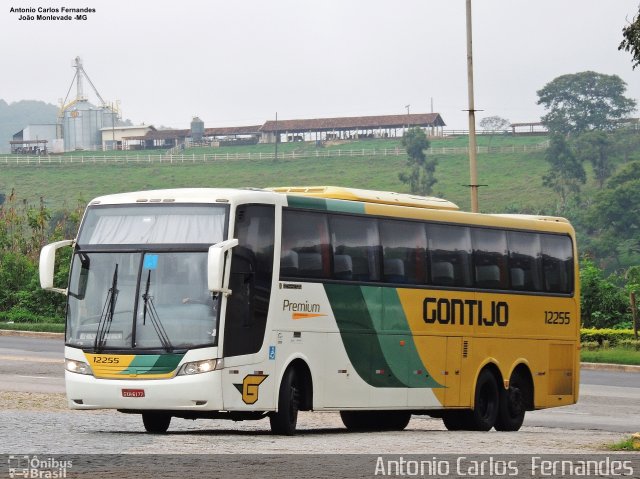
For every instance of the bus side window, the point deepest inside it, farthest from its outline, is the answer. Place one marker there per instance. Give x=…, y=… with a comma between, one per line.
x=342, y=267
x=305, y=245
x=449, y=252
x=525, y=259
x=404, y=246
x=357, y=238
x=557, y=263
x=489, y=258
x=442, y=273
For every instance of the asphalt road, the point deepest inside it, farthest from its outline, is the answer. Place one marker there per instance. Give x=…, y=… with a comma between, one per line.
x=609, y=401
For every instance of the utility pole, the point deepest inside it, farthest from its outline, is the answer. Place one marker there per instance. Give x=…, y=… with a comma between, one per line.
x=408, y=119
x=473, y=165
x=276, y=155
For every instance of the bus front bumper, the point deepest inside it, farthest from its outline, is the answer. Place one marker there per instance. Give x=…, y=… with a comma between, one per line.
x=198, y=392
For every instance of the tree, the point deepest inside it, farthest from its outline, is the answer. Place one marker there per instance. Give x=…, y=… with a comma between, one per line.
x=596, y=148
x=631, y=40
x=421, y=178
x=632, y=276
x=614, y=216
x=566, y=173
x=494, y=124
x=627, y=143
x=584, y=101
x=602, y=303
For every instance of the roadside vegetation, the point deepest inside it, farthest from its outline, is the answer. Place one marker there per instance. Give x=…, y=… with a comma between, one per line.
x=625, y=445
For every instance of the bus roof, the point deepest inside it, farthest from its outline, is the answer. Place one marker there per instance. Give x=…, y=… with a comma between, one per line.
x=368, y=196
x=187, y=195
x=380, y=202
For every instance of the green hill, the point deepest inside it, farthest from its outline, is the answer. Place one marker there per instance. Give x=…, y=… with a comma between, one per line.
x=513, y=179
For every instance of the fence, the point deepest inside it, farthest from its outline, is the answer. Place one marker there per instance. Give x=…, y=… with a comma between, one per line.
x=15, y=160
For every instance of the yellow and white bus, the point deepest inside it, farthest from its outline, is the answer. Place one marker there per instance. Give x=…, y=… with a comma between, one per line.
x=247, y=304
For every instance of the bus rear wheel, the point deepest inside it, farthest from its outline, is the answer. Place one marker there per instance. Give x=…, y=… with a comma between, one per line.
x=456, y=420
x=485, y=410
x=375, y=420
x=155, y=422
x=513, y=404
x=284, y=421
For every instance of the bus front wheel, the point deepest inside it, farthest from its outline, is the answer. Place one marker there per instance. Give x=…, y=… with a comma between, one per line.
x=285, y=420
x=156, y=423
x=375, y=420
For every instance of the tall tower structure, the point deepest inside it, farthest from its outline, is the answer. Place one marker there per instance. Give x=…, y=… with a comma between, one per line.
x=80, y=120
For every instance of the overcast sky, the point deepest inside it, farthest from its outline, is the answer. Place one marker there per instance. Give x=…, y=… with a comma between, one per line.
x=238, y=62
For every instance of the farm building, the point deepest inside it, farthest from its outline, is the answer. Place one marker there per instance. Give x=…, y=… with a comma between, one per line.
x=36, y=140
x=345, y=128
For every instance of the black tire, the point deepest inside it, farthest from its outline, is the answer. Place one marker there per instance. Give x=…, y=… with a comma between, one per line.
x=284, y=421
x=513, y=404
x=456, y=420
x=156, y=422
x=395, y=420
x=375, y=420
x=356, y=420
x=486, y=403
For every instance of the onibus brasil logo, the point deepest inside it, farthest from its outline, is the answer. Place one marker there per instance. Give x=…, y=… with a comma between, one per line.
x=34, y=466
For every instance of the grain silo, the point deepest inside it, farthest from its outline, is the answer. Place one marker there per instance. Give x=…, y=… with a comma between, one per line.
x=197, y=130
x=81, y=120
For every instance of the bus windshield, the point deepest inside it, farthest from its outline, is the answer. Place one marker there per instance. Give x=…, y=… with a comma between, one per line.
x=139, y=278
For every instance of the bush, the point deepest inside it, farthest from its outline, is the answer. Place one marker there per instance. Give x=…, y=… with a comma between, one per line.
x=612, y=337
x=590, y=345
x=603, y=303
x=19, y=315
x=24, y=229
x=630, y=344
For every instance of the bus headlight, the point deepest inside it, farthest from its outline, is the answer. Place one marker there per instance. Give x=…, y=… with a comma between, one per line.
x=198, y=367
x=79, y=367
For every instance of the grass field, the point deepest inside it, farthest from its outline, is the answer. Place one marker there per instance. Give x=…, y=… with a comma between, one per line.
x=611, y=355
x=39, y=327
x=513, y=179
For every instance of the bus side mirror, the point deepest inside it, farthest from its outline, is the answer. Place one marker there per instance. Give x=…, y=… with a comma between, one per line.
x=47, y=265
x=215, y=265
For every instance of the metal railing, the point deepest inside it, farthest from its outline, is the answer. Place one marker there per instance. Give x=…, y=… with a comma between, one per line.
x=15, y=160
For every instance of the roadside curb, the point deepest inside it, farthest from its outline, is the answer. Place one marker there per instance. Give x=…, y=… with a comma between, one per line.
x=627, y=368
x=30, y=334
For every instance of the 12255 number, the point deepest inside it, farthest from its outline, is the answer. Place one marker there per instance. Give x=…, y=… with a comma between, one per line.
x=557, y=317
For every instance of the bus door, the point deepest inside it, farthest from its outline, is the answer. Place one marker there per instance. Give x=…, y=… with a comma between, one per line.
x=444, y=363
x=246, y=373
x=453, y=368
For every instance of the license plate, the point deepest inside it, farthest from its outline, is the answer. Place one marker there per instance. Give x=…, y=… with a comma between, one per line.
x=133, y=393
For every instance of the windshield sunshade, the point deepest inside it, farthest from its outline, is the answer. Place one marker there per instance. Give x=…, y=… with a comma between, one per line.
x=153, y=224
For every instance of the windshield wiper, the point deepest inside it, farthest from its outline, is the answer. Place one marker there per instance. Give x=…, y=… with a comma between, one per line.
x=106, y=317
x=150, y=308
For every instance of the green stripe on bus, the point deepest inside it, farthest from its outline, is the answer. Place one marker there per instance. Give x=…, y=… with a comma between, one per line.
x=396, y=338
x=323, y=204
x=153, y=364
x=359, y=336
